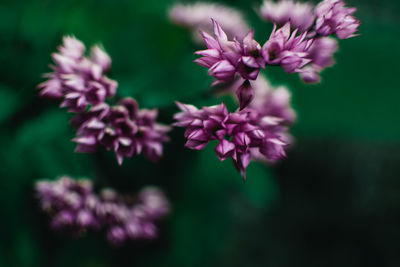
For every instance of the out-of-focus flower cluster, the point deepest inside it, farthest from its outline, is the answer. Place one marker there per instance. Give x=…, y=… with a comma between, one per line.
x=300, y=15
x=80, y=83
x=75, y=208
x=196, y=17
x=333, y=17
x=329, y=17
x=301, y=42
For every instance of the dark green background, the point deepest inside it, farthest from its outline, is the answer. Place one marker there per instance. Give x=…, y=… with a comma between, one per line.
x=334, y=202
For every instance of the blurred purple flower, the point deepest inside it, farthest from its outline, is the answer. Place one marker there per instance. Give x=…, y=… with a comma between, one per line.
x=322, y=50
x=196, y=17
x=237, y=133
x=74, y=207
x=286, y=49
x=334, y=18
x=272, y=101
x=123, y=128
x=132, y=221
x=321, y=55
x=66, y=200
x=77, y=80
x=154, y=203
x=300, y=15
x=116, y=235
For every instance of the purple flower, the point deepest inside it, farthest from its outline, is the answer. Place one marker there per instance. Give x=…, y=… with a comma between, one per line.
x=300, y=15
x=116, y=235
x=286, y=49
x=322, y=50
x=334, y=18
x=251, y=60
x=272, y=102
x=226, y=58
x=63, y=219
x=123, y=128
x=74, y=207
x=202, y=125
x=309, y=74
x=85, y=218
x=132, y=221
x=154, y=202
x=196, y=17
x=238, y=133
x=321, y=55
x=77, y=80
x=66, y=199
x=100, y=57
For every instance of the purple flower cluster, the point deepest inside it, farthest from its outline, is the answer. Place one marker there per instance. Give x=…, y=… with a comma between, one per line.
x=334, y=18
x=300, y=42
x=329, y=17
x=301, y=53
x=74, y=208
x=123, y=128
x=77, y=80
x=225, y=58
x=286, y=49
x=240, y=135
x=80, y=83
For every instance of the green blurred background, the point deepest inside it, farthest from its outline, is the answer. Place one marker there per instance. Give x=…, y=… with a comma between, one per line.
x=334, y=202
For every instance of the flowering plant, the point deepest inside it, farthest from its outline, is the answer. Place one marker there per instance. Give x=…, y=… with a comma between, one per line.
x=81, y=85
x=301, y=42
x=76, y=208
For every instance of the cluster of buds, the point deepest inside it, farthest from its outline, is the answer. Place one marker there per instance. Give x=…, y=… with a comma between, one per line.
x=75, y=208
x=301, y=42
x=81, y=84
